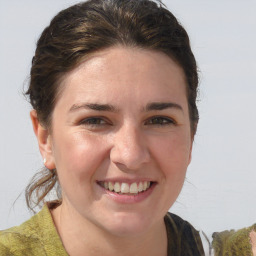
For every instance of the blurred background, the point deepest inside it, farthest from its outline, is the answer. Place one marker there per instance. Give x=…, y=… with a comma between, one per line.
x=219, y=192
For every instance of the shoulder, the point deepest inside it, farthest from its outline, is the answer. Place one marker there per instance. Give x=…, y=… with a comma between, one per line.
x=183, y=238
x=21, y=240
x=4, y=251
x=234, y=243
x=37, y=236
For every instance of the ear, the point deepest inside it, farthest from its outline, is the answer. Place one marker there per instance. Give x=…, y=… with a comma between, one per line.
x=44, y=141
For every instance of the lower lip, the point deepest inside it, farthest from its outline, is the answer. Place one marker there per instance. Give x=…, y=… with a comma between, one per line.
x=129, y=199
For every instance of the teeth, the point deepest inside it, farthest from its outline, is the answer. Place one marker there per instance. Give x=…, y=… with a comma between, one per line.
x=140, y=188
x=125, y=188
x=134, y=188
x=117, y=187
x=145, y=185
x=110, y=186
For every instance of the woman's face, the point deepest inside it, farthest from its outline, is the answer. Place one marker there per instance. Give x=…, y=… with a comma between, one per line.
x=122, y=123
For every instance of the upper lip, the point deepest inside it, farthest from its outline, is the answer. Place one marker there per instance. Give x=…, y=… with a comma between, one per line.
x=125, y=180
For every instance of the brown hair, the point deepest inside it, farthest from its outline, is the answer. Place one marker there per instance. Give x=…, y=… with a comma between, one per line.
x=90, y=26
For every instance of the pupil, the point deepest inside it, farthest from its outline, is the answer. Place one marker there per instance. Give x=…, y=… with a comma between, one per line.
x=95, y=121
x=157, y=120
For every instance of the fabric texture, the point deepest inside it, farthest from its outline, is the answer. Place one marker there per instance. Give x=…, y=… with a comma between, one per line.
x=233, y=243
x=38, y=236
x=183, y=239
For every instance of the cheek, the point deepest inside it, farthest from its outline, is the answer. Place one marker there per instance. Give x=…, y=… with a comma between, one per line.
x=172, y=158
x=173, y=155
x=78, y=156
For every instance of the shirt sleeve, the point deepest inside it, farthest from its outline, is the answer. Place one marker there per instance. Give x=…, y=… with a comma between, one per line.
x=4, y=251
x=233, y=243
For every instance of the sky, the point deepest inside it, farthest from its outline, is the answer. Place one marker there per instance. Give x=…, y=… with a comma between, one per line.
x=219, y=192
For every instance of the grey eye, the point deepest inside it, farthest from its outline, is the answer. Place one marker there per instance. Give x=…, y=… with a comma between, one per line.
x=159, y=120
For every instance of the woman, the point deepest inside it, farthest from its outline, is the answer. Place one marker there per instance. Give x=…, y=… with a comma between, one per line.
x=113, y=89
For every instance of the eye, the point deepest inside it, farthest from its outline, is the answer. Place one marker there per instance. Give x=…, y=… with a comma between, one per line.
x=94, y=121
x=160, y=120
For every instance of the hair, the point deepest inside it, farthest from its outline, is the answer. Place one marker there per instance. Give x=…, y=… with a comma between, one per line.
x=94, y=25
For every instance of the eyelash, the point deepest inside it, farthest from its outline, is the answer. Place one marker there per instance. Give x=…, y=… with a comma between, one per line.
x=160, y=121
x=94, y=121
x=156, y=120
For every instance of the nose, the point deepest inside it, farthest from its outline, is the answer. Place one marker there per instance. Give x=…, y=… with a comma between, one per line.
x=130, y=150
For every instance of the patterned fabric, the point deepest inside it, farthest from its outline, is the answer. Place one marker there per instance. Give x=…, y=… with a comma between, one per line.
x=233, y=243
x=38, y=236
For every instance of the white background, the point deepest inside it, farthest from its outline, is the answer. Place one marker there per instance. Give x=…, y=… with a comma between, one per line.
x=219, y=192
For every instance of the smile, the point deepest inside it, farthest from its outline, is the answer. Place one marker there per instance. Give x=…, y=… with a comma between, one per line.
x=126, y=188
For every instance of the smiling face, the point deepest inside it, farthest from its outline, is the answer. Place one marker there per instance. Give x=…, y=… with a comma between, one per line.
x=120, y=139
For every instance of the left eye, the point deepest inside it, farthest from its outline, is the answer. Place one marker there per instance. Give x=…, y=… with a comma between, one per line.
x=93, y=121
x=159, y=120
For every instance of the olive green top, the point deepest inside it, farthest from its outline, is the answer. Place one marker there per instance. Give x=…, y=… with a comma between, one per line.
x=38, y=236
x=233, y=243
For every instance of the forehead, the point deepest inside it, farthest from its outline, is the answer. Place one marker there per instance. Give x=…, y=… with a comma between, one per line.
x=117, y=73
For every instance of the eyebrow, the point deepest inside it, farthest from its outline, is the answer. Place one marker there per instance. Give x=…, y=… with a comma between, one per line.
x=94, y=106
x=110, y=108
x=162, y=106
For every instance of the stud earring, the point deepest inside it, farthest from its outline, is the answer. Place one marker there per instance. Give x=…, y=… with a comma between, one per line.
x=44, y=160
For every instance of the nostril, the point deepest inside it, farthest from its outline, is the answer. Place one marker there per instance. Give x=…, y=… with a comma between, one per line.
x=128, y=159
x=129, y=149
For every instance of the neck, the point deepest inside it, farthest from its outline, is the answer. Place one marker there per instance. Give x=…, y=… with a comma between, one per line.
x=81, y=237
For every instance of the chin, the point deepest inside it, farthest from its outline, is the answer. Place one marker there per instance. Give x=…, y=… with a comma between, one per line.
x=128, y=224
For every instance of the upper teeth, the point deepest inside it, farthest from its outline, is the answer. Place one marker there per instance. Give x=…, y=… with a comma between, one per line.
x=124, y=187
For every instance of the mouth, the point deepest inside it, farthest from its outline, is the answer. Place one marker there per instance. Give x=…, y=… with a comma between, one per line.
x=124, y=188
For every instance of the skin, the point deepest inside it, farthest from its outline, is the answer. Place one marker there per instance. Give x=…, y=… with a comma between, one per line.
x=126, y=142
x=253, y=242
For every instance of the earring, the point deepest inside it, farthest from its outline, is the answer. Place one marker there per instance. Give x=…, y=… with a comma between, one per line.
x=44, y=160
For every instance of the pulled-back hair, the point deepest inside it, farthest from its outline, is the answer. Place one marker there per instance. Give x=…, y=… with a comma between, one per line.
x=94, y=25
